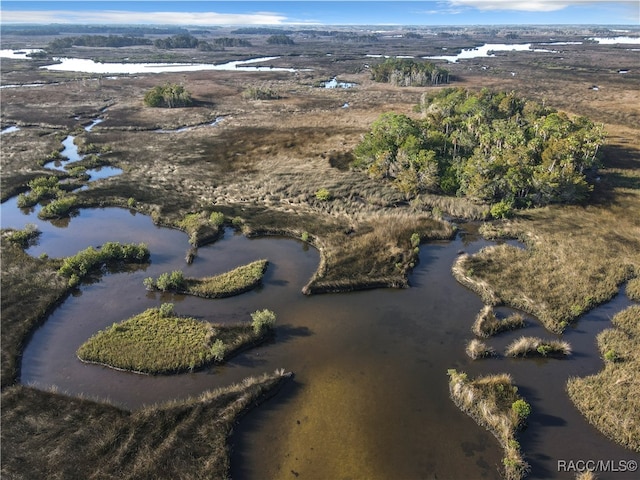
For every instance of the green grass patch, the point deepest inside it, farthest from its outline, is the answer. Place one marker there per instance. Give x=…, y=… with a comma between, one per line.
x=157, y=341
x=493, y=402
x=201, y=227
x=233, y=282
x=83, y=262
x=610, y=399
x=23, y=238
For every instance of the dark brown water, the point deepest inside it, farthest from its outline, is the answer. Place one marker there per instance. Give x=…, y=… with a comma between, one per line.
x=369, y=399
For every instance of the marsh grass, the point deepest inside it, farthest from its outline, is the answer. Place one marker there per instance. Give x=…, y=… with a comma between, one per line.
x=633, y=289
x=76, y=438
x=378, y=253
x=491, y=402
x=554, y=282
x=201, y=227
x=610, y=399
x=234, y=282
x=159, y=342
x=476, y=349
x=30, y=288
x=534, y=346
x=487, y=323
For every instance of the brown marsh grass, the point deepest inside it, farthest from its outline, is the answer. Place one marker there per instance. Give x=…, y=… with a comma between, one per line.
x=488, y=324
x=534, y=346
x=489, y=401
x=476, y=349
x=30, y=289
x=610, y=399
x=79, y=438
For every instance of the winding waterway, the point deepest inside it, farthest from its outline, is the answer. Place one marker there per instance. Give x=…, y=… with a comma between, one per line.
x=369, y=398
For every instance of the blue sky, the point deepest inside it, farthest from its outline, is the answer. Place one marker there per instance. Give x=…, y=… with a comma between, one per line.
x=443, y=12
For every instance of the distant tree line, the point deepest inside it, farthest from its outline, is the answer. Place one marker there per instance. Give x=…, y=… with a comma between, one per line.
x=486, y=146
x=408, y=73
x=189, y=41
x=279, y=39
x=169, y=95
x=113, y=41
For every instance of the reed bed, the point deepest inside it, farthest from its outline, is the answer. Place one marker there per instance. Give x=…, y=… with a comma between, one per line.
x=633, y=289
x=493, y=402
x=534, y=346
x=487, y=323
x=186, y=439
x=476, y=349
x=610, y=399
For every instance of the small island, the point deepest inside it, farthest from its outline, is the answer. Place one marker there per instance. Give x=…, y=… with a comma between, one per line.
x=233, y=282
x=157, y=341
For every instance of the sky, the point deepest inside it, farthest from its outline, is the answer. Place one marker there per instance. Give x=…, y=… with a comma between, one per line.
x=327, y=12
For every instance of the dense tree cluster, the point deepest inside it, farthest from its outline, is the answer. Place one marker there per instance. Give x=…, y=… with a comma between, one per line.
x=231, y=42
x=487, y=146
x=408, y=73
x=177, y=41
x=169, y=95
x=279, y=39
x=112, y=41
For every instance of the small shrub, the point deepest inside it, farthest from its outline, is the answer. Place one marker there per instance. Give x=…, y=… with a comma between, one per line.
x=166, y=310
x=502, y=209
x=323, y=195
x=216, y=218
x=256, y=93
x=611, y=356
x=149, y=283
x=131, y=202
x=218, y=349
x=415, y=240
x=263, y=320
x=521, y=409
x=304, y=237
x=170, y=281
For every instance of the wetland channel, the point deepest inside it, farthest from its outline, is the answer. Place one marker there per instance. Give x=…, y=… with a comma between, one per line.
x=370, y=394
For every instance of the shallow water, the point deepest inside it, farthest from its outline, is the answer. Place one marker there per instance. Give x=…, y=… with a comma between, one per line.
x=486, y=51
x=369, y=398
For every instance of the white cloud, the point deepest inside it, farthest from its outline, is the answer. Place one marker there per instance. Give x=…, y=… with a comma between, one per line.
x=163, y=18
x=522, y=5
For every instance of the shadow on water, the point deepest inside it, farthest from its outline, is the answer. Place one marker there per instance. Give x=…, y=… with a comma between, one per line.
x=369, y=398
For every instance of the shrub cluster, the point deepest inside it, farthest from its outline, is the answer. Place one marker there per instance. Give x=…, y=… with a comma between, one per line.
x=486, y=146
x=78, y=265
x=408, y=73
x=169, y=95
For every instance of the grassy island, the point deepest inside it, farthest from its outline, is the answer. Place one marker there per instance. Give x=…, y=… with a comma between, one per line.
x=488, y=324
x=233, y=282
x=534, y=346
x=610, y=399
x=157, y=341
x=493, y=402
